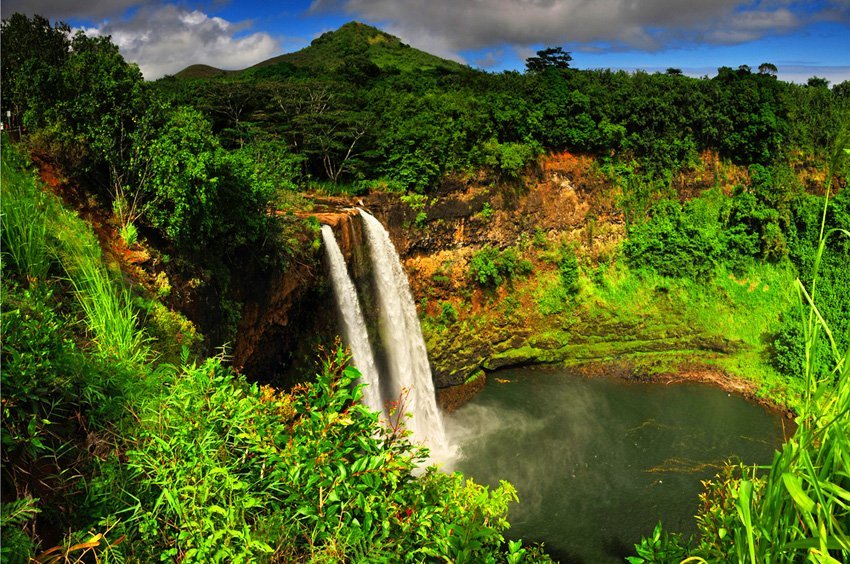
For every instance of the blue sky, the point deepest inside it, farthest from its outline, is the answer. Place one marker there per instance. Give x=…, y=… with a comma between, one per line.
x=802, y=38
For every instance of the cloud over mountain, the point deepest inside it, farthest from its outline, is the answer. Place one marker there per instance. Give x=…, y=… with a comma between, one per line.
x=165, y=39
x=446, y=26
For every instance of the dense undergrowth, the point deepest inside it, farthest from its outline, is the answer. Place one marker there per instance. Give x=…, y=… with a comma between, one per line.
x=110, y=454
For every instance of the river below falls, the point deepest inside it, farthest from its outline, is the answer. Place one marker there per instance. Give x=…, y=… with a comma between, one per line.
x=598, y=462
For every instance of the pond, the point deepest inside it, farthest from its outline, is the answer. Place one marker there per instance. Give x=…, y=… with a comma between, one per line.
x=598, y=462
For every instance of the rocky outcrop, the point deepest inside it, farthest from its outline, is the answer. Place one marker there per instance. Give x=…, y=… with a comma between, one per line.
x=290, y=313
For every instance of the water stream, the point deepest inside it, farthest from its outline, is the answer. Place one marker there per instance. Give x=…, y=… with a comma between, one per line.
x=353, y=322
x=409, y=378
x=598, y=462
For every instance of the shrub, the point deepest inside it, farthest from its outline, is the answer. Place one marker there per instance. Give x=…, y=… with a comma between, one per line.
x=489, y=267
x=448, y=314
x=672, y=245
x=310, y=476
x=483, y=269
x=129, y=234
x=568, y=270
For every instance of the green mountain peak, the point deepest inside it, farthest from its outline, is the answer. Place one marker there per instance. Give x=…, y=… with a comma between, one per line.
x=353, y=43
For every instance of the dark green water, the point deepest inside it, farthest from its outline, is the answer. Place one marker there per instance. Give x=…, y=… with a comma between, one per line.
x=598, y=462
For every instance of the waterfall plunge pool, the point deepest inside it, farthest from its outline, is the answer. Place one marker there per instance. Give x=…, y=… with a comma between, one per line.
x=598, y=462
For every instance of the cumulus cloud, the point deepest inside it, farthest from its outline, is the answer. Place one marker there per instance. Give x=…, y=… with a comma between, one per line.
x=449, y=26
x=166, y=39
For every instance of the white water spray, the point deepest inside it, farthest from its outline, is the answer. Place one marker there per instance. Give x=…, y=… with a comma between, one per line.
x=402, y=339
x=353, y=322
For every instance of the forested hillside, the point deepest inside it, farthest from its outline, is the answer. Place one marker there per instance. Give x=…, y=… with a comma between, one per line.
x=553, y=215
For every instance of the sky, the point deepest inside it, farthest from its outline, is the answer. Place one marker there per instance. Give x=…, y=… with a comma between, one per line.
x=802, y=38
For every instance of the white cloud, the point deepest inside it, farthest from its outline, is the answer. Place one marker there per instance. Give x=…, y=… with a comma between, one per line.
x=166, y=39
x=448, y=26
x=490, y=59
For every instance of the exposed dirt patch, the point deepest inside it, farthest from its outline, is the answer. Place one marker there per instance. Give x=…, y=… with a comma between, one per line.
x=687, y=372
x=135, y=262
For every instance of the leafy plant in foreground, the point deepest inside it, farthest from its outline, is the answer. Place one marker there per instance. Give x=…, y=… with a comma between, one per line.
x=310, y=475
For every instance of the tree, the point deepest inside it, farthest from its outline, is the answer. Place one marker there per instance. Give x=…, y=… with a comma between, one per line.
x=33, y=53
x=202, y=196
x=817, y=82
x=674, y=71
x=552, y=57
x=231, y=102
x=768, y=69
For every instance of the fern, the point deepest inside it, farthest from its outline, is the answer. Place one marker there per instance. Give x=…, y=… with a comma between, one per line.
x=17, y=546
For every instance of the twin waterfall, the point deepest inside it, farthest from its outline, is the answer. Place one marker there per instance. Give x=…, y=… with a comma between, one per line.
x=353, y=322
x=408, y=377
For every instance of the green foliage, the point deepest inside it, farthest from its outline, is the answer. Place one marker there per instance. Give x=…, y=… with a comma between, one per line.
x=171, y=333
x=448, y=314
x=508, y=159
x=638, y=193
x=310, y=476
x=417, y=203
x=33, y=51
x=108, y=307
x=489, y=267
x=673, y=244
x=41, y=369
x=203, y=196
x=551, y=57
x=129, y=234
x=17, y=546
x=552, y=299
x=568, y=271
x=25, y=224
x=185, y=160
x=53, y=394
x=662, y=546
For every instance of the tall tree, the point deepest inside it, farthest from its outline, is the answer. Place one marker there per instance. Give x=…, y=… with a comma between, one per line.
x=551, y=57
x=768, y=69
x=33, y=53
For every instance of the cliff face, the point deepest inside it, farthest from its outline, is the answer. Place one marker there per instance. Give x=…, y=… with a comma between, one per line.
x=471, y=329
x=288, y=315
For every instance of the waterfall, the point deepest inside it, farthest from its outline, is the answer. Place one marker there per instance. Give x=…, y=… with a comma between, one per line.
x=402, y=339
x=353, y=322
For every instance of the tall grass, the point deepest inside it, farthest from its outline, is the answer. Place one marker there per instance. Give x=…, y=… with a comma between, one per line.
x=24, y=220
x=38, y=232
x=805, y=503
x=108, y=306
